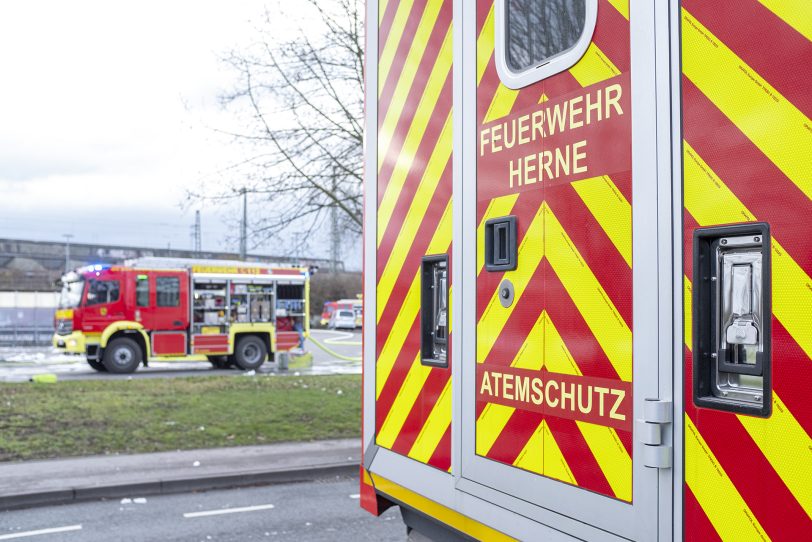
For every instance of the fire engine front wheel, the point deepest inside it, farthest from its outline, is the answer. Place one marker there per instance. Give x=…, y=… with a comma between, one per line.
x=250, y=353
x=122, y=356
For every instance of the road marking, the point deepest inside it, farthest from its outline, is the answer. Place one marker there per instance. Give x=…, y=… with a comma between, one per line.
x=39, y=532
x=228, y=511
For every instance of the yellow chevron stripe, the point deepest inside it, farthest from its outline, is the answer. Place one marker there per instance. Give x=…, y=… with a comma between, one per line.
x=710, y=201
x=542, y=455
x=407, y=76
x=611, y=456
x=593, y=67
x=494, y=417
x=487, y=426
x=612, y=211
x=435, y=427
x=495, y=316
x=781, y=439
x=500, y=206
x=688, y=300
x=768, y=119
x=795, y=13
x=439, y=243
x=397, y=259
x=555, y=464
x=433, y=170
x=397, y=335
x=602, y=441
x=531, y=458
x=716, y=494
x=464, y=524
x=409, y=391
x=392, y=41
x=589, y=297
x=792, y=297
x=787, y=447
x=382, y=9
x=420, y=121
x=501, y=104
x=484, y=46
x=503, y=98
x=622, y=6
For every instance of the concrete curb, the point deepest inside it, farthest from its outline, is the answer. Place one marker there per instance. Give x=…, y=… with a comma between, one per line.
x=177, y=485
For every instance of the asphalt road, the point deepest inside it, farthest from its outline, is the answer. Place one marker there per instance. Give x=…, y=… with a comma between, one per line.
x=325, y=510
x=23, y=363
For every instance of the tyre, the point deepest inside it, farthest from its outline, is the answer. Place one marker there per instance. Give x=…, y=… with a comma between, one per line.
x=250, y=353
x=97, y=365
x=220, y=362
x=122, y=356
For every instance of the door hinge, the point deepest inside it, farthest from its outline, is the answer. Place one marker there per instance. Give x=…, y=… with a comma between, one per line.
x=657, y=415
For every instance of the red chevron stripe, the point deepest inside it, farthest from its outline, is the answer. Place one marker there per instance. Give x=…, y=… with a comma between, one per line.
x=763, y=41
x=441, y=458
x=398, y=62
x=417, y=249
x=421, y=410
x=698, y=527
x=411, y=184
x=398, y=373
x=595, y=247
x=581, y=343
x=514, y=436
x=689, y=224
x=612, y=36
x=428, y=140
x=386, y=23
x=760, y=486
x=579, y=457
x=755, y=180
x=791, y=376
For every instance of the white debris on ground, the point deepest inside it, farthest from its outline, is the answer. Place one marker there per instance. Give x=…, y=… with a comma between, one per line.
x=196, y=464
x=249, y=373
x=137, y=500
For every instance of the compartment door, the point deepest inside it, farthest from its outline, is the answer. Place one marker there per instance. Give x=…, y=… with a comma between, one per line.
x=565, y=322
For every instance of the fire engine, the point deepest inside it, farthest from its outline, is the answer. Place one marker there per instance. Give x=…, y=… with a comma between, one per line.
x=587, y=255
x=228, y=312
x=355, y=305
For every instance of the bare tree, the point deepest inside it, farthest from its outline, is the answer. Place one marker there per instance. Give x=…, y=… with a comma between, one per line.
x=301, y=102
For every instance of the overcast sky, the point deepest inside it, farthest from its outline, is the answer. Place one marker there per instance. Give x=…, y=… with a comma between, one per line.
x=107, y=112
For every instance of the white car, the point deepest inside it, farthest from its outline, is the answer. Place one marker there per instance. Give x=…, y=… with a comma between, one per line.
x=342, y=319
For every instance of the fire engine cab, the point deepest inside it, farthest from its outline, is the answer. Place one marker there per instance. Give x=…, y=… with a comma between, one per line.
x=227, y=312
x=588, y=268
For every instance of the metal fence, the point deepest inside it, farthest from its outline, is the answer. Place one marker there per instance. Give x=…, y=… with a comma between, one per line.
x=27, y=318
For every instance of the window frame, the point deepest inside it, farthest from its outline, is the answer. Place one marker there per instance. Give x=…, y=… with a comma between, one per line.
x=555, y=64
x=89, y=290
x=158, y=292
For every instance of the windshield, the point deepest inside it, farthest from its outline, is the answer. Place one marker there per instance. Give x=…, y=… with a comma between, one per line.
x=71, y=294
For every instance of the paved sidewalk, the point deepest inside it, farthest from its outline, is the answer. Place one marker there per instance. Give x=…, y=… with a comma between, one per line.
x=36, y=483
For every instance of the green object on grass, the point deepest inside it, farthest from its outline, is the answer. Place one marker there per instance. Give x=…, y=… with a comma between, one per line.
x=44, y=379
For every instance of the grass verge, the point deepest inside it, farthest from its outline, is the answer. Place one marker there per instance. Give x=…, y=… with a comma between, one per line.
x=41, y=421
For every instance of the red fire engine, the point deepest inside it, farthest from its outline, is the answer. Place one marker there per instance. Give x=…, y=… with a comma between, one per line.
x=588, y=273
x=175, y=309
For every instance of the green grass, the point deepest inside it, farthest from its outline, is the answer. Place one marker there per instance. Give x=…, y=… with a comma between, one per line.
x=39, y=421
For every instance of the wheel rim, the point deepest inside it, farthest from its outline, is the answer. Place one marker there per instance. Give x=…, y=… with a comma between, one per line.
x=123, y=357
x=251, y=353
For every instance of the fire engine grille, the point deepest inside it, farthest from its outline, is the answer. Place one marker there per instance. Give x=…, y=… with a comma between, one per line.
x=64, y=327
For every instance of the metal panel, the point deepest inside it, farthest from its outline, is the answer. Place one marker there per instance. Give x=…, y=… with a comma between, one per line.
x=640, y=520
x=746, y=114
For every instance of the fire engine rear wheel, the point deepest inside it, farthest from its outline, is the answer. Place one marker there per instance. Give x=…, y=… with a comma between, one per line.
x=97, y=365
x=122, y=356
x=250, y=353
